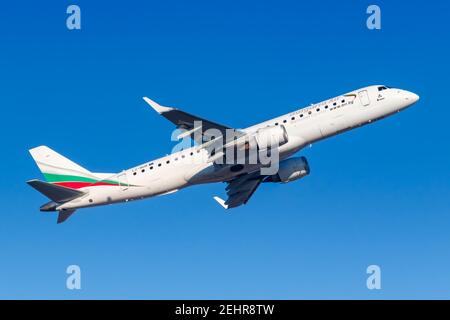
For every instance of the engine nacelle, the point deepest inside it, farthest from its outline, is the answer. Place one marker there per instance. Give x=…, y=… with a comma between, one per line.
x=249, y=146
x=270, y=137
x=290, y=170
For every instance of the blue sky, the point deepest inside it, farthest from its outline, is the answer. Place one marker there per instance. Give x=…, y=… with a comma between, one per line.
x=376, y=195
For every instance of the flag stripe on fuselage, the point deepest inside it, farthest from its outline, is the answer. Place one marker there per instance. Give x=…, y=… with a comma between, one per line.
x=77, y=182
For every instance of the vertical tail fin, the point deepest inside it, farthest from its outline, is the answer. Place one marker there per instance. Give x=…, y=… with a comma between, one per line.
x=59, y=170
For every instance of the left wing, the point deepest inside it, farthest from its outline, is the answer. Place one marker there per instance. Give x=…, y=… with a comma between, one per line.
x=187, y=121
x=240, y=189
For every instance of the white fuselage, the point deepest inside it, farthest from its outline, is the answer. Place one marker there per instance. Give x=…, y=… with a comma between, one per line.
x=304, y=126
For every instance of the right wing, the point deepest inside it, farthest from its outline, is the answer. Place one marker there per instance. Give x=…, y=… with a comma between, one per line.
x=189, y=122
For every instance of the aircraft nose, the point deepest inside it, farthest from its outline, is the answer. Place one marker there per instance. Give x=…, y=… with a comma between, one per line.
x=412, y=97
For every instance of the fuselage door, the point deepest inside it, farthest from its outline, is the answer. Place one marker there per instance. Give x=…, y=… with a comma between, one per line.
x=123, y=181
x=364, y=97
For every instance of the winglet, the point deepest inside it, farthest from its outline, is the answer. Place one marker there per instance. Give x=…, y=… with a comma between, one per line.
x=221, y=202
x=158, y=108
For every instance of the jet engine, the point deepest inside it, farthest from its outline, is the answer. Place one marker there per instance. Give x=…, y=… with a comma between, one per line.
x=290, y=170
x=274, y=136
x=250, y=145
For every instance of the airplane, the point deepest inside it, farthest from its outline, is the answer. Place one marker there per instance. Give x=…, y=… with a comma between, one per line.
x=70, y=186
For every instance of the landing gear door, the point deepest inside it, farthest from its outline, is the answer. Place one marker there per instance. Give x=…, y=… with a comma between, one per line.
x=123, y=181
x=364, y=97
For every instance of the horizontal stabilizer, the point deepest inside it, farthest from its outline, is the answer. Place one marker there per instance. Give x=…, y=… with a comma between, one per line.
x=55, y=192
x=63, y=215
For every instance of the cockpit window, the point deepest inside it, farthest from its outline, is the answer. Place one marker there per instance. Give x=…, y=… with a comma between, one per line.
x=382, y=88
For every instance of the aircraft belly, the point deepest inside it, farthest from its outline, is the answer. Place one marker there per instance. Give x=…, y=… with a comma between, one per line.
x=309, y=133
x=338, y=123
